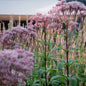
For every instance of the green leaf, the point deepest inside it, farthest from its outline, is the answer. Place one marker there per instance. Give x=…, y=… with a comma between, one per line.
x=63, y=35
x=72, y=61
x=55, y=48
x=77, y=78
x=71, y=51
x=40, y=72
x=40, y=28
x=54, y=59
x=72, y=81
x=52, y=55
x=38, y=54
x=48, y=69
x=60, y=67
x=42, y=80
x=57, y=77
x=40, y=41
x=62, y=60
x=64, y=26
x=75, y=48
x=36, y=83
x=55, y=83
x=58, y=80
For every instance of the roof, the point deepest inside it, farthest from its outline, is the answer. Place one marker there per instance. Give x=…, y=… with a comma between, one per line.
x=15, y=17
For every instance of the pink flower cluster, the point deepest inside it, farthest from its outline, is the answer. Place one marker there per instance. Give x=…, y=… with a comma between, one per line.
x=52, y=21
x=47, y=21
x=63, y=12
x=15, y=66
x=15, y=36
x=64, y=8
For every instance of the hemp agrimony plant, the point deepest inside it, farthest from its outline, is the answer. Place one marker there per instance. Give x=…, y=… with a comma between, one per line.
x=68, y=14
x=57, y=34
x=58, y=43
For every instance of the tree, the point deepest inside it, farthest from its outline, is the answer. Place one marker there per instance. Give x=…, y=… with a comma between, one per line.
x=83, y=1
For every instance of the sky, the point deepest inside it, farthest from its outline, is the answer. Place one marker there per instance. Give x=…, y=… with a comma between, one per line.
x=26, y=7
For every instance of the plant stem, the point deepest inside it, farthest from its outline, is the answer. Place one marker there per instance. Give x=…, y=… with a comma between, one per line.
x=67, y=66
x=45, y=56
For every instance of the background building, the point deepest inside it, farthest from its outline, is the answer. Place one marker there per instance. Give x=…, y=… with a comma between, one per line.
x=16, y=12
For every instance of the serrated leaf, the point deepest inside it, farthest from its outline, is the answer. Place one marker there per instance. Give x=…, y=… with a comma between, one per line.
x=56, y=77
x=62, y=60
x=48, y=69
x=77, y=78
x=60, y=66
x=38, y=54
x=72, y=61
x=52, y=55
x=36, y=83
x=72, y=81
x=54, y=83
x=40, y=72
x=54, y=59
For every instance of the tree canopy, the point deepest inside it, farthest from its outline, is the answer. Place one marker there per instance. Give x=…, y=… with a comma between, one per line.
x=83, y=1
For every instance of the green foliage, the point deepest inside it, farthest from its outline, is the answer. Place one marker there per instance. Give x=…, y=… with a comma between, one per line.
x=72, y=81
x=58, y=80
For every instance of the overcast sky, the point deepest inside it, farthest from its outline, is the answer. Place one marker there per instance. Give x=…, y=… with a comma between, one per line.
x=23, y=7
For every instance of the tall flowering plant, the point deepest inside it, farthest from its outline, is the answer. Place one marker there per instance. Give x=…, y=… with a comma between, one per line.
x=15, y=66
x=16, y=63
x=61, y=20
x=69, y=14
x=43, y=21
x=17, y=37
